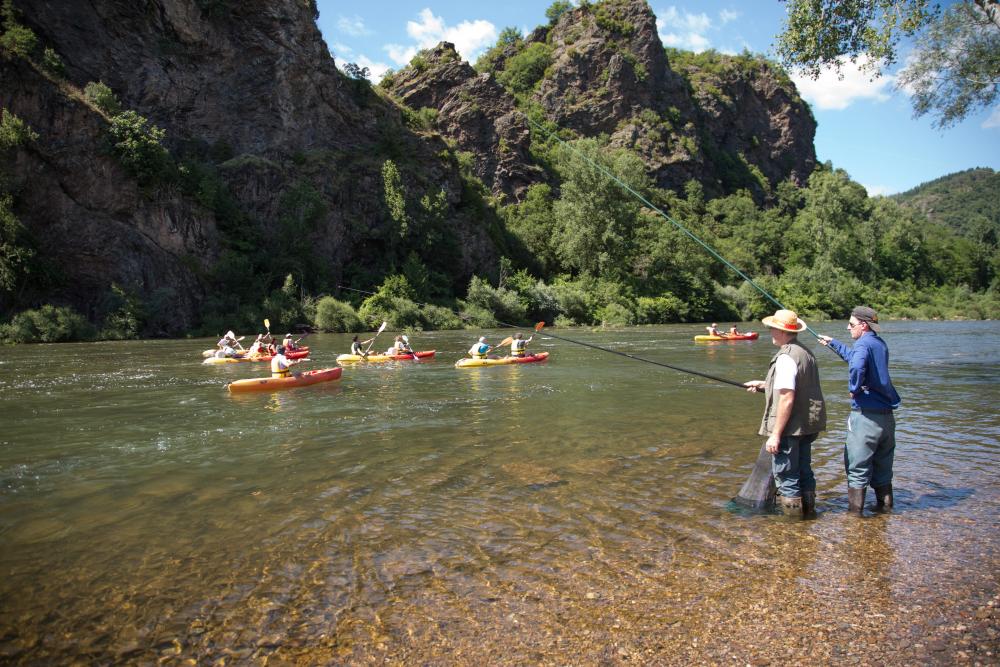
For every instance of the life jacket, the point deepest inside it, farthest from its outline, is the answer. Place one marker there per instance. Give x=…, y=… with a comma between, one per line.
x=279, y=366
x=517, y=347
x=478, y=351
x=356, y=349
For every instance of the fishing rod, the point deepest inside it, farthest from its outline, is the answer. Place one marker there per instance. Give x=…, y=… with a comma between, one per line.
x=540, y=325
x=666, y=217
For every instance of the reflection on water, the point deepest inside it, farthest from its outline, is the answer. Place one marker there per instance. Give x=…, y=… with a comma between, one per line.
x=416, y=512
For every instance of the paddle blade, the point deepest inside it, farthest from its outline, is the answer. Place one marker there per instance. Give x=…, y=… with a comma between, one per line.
x=506, y=341
x=758, y=491
x=267, y=325
x=539, y=326
x=382, y=328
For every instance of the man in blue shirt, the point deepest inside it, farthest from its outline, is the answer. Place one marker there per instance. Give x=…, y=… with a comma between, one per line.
x=871, y=427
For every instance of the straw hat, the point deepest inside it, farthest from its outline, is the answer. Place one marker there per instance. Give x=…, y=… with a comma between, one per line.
x=786, y=320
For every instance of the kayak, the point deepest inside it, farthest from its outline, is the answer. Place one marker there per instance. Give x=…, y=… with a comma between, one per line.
x=305, y=349
x=502, y=361
x=352, y=358
x=295, y=380
x=752, y=335
x=297, y=354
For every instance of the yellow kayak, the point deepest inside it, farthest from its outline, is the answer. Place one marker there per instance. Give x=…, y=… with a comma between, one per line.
x=354, y=358
x=502, y=361
x=752, y=335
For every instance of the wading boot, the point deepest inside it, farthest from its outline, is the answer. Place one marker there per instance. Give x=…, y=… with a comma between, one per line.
x=808, y=503
x=856, y=500
x=883, y=497
x=790, y=505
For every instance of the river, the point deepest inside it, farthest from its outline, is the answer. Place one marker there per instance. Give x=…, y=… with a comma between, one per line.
x=571, y=511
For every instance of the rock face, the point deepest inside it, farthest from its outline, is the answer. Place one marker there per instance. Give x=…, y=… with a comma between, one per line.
x=251, y=83
x=739, y=125
x=477, y=113
x=251, y=88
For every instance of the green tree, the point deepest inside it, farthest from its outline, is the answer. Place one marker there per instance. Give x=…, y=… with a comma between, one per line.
x=954, y=70
x=557, y=9
x=526, y=69
x=595, y=217
x=16, y=39
x=395, y=196
x=101, y=95
x=14, y=251
x=14, y=132
x=955, y=67
x=138, y=145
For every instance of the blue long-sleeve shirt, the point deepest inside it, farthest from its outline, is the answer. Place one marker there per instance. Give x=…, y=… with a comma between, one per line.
x=868, y=373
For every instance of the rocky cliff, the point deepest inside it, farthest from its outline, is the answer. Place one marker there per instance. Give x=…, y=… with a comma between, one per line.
x=273, y=148
x=727, y=122
x=250, y=90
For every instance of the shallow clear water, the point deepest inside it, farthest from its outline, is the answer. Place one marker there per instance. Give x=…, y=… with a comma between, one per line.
x=417, y=511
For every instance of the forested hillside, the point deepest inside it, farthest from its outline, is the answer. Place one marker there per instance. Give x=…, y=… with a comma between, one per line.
x=967, y=202
x=198, y=195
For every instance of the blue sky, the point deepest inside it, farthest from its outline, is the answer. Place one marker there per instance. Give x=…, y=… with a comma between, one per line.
x=865, y=127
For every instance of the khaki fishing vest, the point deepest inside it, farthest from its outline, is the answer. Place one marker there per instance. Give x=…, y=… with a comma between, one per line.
x=808, y=410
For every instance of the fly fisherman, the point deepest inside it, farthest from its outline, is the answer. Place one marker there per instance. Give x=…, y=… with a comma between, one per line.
x=794, y=412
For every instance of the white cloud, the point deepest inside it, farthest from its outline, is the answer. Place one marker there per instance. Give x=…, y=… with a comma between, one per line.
x=469, y=37
x=353, y=25
x=993, y=120
x=833, y=91
x=341, y=51
x=376, y=69
x=672, y=18
x=688, y=41
x=878, y=190
x=683, y=30
x=727, y=15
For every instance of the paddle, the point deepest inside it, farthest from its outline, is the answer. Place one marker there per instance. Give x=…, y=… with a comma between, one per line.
x=369, y=349
x=540, y=325
x=506, y=341
x=412, y=351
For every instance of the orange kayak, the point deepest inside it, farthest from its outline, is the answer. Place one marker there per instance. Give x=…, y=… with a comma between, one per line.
x=295, y=380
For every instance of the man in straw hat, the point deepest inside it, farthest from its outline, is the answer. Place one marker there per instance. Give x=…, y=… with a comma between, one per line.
x=794, y=412
x=871, y=427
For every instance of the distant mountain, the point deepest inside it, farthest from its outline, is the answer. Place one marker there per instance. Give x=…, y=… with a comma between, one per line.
x=966, y=202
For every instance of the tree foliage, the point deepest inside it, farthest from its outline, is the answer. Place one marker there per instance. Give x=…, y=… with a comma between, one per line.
x=953, y=71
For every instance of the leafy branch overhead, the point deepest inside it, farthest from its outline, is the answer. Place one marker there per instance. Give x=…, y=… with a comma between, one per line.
x=952, y=71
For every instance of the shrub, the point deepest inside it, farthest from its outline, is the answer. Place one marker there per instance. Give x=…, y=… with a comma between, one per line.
x=557, y=9
x=616, y=315
x=503, y=303
x=101, y=96
x=48, y=324
x=334, y=315
x=659, y=309
x=137, y=144
x=527, y=68
x=14, y=131
x=17, y=39
x=124, y=315
x=52, y=62
x=438, y=317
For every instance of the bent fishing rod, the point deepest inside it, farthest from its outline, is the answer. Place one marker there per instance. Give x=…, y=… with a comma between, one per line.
x=540, y=325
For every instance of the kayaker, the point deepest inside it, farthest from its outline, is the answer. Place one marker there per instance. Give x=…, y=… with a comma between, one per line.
x=398, y=347
x=229, y=340
x=257, y=346
x=871, y=426
x=280, y=364
x=713, y=330
x=794, y=412
x=733, y=331
x=358, y=347
x=518, y=345
x=289, y=344
x=480, y=349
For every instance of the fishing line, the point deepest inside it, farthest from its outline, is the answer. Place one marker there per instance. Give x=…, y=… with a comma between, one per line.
x=666, y=217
